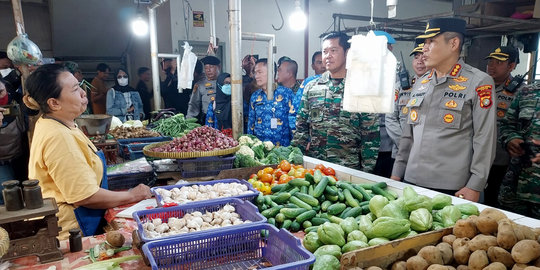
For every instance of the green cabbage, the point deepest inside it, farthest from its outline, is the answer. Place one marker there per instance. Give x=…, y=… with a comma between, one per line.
x=449, y=215
x=376, y=205
x=421, y=220
x=440, y=201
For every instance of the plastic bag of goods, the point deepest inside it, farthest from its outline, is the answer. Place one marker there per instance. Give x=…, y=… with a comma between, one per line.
x=22, y=50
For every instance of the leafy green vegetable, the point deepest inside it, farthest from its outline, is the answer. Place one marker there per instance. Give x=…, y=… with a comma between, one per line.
x=449, y=215
x=376, y=205
x=440, y=201
x=468, y=209
x=296, y=156
x=271, y=158
x=258, y=149
x=421, y=220
x=281, y=152
x=242, y=160
x=111, y=264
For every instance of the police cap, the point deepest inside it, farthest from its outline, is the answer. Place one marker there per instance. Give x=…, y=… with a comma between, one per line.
x=504, y=53
x=437, y=26
x=211, y=60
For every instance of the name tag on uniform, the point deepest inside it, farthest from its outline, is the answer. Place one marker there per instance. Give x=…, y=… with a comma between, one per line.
x=273, y=123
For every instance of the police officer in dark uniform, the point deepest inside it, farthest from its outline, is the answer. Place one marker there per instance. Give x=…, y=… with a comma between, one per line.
x=204, y=91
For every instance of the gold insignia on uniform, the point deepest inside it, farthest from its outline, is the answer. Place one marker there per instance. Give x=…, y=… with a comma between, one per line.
x=427, y=26
x=503, y=105
x=279, y=98
x=485, y=102
x=461, y=79
x=207, y=84
x=500, y=113
x=279, y=122
x=414, y=115
x=430, y=74
x=484, y=93
x=457, y=87
x=405, y=110
x=210, y=92
x=413, y=81
x=451, y=104
x=413, y=101
x=210, y=120
x=259, y=121
x=455, y=70
x=498, y=50
x=448, y=118
x=212, y=98
x=259, y=98
x=424, y=81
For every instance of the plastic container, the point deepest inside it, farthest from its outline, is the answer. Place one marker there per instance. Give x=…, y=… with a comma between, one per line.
x=231, y=248
x=132, y=148
x=246, y=210
x=127, y=181
x=205, y=166
x=245, y=197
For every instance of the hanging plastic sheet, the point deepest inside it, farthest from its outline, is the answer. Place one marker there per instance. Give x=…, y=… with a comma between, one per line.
x=371, y=75
x=189, y=60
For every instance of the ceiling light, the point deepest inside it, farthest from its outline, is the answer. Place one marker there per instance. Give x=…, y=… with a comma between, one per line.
x=139, y=26
x=298, y=19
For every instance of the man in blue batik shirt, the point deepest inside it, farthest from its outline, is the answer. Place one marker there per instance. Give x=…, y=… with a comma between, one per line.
x=269, y=119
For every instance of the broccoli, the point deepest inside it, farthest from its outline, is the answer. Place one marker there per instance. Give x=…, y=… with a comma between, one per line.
x=245, y=161
x=245, y=150
x=268, y=146
x=281, y=153
x=272, y=158
x=258, y=148
x=296, y=156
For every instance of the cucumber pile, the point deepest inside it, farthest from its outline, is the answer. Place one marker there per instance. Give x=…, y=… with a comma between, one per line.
x=305, y=203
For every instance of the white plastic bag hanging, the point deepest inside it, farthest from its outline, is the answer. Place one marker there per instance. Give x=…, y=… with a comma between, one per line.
x=371, y=74
x=189, y=60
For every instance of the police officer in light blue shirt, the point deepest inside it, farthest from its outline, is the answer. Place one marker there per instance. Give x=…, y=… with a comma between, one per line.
x=269, y=119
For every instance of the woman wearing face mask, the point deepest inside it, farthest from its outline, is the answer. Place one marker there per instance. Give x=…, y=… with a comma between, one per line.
x=123, y=101
x=219, y=112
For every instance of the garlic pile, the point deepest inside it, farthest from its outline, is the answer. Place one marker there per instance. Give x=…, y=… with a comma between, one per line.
x=192, y=222
x=201, y=192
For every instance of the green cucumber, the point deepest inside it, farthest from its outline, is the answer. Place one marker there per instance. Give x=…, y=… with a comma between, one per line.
x=335, y=219
x=306, y=224
x=306, y=216
x=303, y=189
x=280, y=218
x=311, y=229
x=318, y=221
x=331, y=180
x=336, y=209
x=331, y=190
x=365, y=194
x=310, y=190
x=341, y=196
x=345, y=212
x=299, y=182
x=325, y=204
x=317, y=176
x=354, y=212
x=294, y=190
x=300, y=203
x=349, y=198
x=272, y=212
x=377, y=190
x=354, y=192
x=295, y=226
x=286, y=224
x=272, y=221
x=318, y=190
x=267, y=200
x=278, y=188
x=333, y=198
x=292, y=212
x=290, y=205
x=312, y=201
x=309, y=178
x=260, y=199
x=281, y=197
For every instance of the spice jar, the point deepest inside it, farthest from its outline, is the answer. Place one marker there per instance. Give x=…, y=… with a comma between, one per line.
x=12, y=195
x=32, y=194
x=75, y=240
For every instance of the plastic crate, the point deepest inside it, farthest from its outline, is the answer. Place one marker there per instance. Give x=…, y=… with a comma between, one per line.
x=231, y=248
x=245, y=197
x=205, y=166
x=245, y=209
x=132, y=148
x=127, y=181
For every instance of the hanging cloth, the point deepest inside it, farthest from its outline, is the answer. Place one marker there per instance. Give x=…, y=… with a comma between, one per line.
x=189, y=60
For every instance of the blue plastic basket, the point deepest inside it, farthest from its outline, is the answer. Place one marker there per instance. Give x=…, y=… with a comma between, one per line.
x=132, y=148
x=245, y=209
x=231, y=248
x=205, y=166
x=245, y=197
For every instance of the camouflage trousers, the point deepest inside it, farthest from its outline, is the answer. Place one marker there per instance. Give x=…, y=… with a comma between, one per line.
x=518, y=189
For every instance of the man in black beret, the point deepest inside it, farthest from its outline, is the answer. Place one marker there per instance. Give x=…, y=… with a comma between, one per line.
x=449, y=144
x=204, y=91
x=501, y=62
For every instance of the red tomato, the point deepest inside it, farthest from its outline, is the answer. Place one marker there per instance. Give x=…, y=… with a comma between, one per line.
x=283, y=179
x=253, y=176
x=310, y=171
x=268, y=170
x=300, y=173
x=266, y=178
x=260, y=173
x=329, y=171
x=319, y=167
x=285, y=165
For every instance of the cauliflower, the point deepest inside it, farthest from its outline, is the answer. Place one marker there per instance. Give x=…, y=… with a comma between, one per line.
x=245, y=140
x=257, y=143
x=245, y=150
x=268, y=145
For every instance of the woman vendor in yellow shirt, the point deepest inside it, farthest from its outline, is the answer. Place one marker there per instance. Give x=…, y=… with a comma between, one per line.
x=62, y=158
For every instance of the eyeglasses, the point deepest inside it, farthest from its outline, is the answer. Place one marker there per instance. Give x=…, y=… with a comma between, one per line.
x=122, y=76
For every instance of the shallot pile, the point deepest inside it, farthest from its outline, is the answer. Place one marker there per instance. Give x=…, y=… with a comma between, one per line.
x=199, y=139
x=193, y=222
x=201, y=192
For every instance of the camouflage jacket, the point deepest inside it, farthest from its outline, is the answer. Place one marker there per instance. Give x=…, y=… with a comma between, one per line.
x=522, y=121
x=335, y=135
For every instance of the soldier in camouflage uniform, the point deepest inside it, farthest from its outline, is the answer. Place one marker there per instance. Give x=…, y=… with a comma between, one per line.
x=520, y=188
x=323, y=129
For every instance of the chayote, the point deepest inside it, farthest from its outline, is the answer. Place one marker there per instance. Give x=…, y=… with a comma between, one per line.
x=333, y=250
x=326, y=262
x=421, y=220
x=311, y=241
x=348, y=225
x=388, y=227
x=353, y=245
x=356, y=235
x=331, y=234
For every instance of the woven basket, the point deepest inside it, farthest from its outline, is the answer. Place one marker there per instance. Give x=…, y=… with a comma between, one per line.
x=184, y=155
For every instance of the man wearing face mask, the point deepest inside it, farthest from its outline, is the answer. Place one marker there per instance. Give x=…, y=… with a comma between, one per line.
x=204, y=91
x=218, y=114
x=9, y=74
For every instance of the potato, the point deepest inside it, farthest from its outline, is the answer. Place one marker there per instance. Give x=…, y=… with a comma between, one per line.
x=451, y=267
x=115, y=239
x=449, y=239
x=519, y=266
x=459, y=242
x=499, y=254
x=506, y=237
x=536, y=232
x=482, y=242
x=462, y=267
x=473, y=218
x=493, y=213
x=465, y=228
x=537, y=262
x=374, y=268
x=461, y=250
x=437, y=267
x=523, y=232
x=417, y=263
x=446, y=252
x=495, y=266
x=431, y=254
x=478, y=260
x=532, y=268
x=399, y=265
x=486, y=225
x=525, y=251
